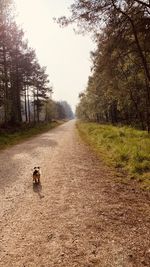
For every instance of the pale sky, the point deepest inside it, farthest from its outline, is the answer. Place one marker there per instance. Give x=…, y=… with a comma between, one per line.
x=65, y=54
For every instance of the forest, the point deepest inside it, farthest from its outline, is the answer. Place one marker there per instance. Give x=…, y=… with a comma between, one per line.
x=118, y=89
x=25, y=88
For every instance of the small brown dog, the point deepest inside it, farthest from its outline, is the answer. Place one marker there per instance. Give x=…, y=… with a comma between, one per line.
x=36, y=175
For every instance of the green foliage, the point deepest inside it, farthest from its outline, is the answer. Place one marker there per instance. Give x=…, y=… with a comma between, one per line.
x=122, y=147
x=118, y=89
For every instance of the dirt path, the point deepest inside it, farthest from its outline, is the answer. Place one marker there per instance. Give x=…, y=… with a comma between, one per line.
x=78, y=217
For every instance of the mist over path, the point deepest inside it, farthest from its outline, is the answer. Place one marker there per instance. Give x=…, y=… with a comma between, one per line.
x=78, y=216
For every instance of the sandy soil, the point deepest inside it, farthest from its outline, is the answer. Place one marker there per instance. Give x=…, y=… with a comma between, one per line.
x=79, y=216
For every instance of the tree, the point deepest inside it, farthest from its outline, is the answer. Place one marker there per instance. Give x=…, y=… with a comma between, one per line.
x=63, y=110
x=22, y=79
x=119, y=89
x=25, y=90
x=67, y=109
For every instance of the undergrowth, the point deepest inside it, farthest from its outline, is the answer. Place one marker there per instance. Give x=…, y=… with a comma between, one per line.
x=125, y=148
x=13, y=135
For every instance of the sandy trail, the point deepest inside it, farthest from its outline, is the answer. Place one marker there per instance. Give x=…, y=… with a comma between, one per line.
x=78, y=216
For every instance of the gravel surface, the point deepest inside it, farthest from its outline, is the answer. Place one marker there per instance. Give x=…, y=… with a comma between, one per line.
x=78, y=216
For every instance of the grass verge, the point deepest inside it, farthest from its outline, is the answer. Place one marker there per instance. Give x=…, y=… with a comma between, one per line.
x=13, y=136
x=124, y=148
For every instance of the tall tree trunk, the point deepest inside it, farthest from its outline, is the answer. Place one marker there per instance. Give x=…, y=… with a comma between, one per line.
x=6, y=109
x=38, y=112
x=26, y=115
x=29, y=113
x=34, y=106
x=139, y=114
x=18, y=100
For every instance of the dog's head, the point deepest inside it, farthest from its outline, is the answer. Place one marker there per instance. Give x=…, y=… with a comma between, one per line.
x=36, y=170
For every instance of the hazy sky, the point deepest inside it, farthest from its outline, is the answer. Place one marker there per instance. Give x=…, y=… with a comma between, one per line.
x=66, y=54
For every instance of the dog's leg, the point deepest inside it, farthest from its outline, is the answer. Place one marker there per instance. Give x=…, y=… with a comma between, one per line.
x=34, y=179
x=38, y=179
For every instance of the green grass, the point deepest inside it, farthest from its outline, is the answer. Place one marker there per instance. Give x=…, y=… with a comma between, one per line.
x=13, y=136
x=124, y=148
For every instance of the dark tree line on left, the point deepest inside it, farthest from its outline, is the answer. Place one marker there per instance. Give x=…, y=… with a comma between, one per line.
x=24, y=84
x=25, y=91
x=22, y=79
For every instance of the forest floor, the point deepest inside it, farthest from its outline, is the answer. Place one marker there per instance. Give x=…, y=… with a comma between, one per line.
x=81, y=214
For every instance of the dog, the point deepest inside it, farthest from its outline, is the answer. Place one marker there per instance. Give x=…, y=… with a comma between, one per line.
x=36, y=175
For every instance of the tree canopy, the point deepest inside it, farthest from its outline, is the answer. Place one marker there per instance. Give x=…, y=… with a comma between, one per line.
x=118, y=89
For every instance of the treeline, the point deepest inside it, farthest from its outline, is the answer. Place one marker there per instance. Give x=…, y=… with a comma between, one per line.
x=59, y=110
x=118, y=90
x=25, y=91
x=63, y=110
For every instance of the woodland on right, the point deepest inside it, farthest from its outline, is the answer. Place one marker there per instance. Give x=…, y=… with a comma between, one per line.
x=118, y=90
